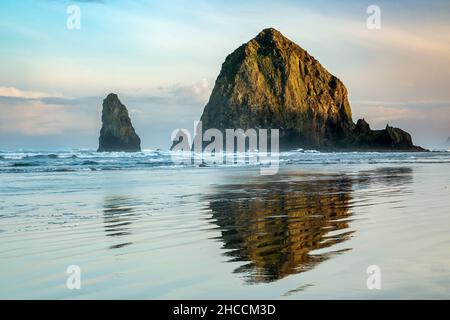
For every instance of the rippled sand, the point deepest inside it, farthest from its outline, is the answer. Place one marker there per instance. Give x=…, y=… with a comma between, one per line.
x=309, y=232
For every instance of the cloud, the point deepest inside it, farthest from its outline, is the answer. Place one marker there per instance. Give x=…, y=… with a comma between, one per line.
x=37, y=118
x=40, y=113
x=384, y=114
x=381, y=112
x=155, y=112
x=198, y=92
x=419, y=103
x=12, y=92
x=432, y=40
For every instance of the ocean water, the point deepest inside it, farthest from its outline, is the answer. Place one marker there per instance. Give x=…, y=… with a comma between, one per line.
x=140, y=226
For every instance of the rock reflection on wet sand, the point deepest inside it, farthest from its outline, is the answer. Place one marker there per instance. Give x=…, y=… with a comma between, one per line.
x=118, y=215
x=276, y=226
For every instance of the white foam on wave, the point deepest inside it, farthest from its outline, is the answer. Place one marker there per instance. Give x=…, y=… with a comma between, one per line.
x=81, y=159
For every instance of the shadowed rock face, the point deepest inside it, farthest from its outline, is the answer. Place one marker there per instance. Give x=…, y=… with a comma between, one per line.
x=117, y=133
x=272, y=83
x=389, y=138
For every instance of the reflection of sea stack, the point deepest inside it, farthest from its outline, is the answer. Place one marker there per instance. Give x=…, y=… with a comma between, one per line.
x=270, y=82
x=275, y=231
x=276, y=227
x=117, y=133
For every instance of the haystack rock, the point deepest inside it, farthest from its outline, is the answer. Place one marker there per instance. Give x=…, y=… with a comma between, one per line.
x=117, y=133
x=272, y=83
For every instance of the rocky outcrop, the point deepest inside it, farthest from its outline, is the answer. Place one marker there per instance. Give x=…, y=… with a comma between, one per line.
x=388, y=139
x=272, y=83
x=117, y=132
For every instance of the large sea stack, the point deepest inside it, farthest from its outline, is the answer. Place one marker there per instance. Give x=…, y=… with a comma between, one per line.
x=272, y=83
x=117, y=133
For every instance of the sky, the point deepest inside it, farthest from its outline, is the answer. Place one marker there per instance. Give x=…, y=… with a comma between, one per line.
x=162, y=58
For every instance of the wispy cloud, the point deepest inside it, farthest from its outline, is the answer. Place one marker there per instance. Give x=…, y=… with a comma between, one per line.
x=151, y=54
x=199, y=91
x=381, y=115
x=37, y=118
x=154, y=115
x=40, y=113
x=427, y=40
x=12, y=92
x=424, y=103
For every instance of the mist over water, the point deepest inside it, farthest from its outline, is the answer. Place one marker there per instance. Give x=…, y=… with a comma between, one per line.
x=140, y=227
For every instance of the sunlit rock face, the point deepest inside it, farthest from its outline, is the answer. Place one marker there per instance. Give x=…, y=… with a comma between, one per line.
x=272, y=83
x=117, y=132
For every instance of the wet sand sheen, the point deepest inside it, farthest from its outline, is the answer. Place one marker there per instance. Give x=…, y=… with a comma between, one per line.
x=215, y=233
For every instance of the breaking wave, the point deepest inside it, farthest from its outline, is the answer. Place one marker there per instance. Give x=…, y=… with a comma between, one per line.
x=89, y=160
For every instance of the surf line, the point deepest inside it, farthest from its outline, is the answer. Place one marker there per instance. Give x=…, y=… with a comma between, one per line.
x=249, y=146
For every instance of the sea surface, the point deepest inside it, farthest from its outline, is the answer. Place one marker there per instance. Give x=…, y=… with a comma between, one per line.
x=139, y=226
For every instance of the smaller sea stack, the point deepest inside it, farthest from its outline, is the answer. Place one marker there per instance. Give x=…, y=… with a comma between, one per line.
x=117, y=133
